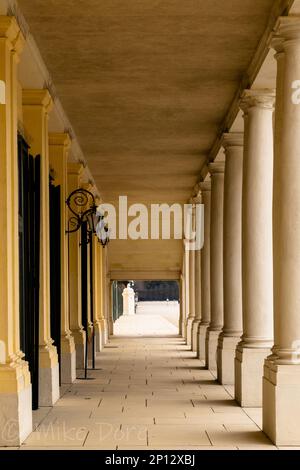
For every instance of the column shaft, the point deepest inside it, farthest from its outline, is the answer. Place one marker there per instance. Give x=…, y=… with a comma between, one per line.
x=191, y=294
x=232, y=247
x=97, y=294
x=257, y=264
x=191, y=273
x=216, y=263
x=186, y=287
x=197, y=317
x=182, y=309
x=281, y=383
x=100, y=299
x=205, y=271
x=104, y=294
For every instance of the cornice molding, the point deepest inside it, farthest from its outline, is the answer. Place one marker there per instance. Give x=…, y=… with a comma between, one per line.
x=10, y=30
x=60, y=139
x=37, y=98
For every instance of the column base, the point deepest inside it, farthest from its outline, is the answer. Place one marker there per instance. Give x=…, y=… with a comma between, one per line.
x=48, y=375
x=91, y=342
x=98, y=336
x=195, y=333
x=225, y=358
x=79, y=338
x=249, y=363
x=110, y=328
x=202, y=341
x=183, y=329
x=68, y=359
x=15, y=404
x=281, y=404
x=104, y=326
x=189, y=326
x=212, y=337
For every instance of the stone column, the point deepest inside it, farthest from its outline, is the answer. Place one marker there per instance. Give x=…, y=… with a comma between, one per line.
x=109, y=307
x=36, y=107
x=97, y=294
x=205, y=271
x=15, y=385
x=257, y=264
x=104, y=294
x=186, y=287
x=191, y=293
x=216, y=263
x=232, y=248
x=281, y=383
x=182, y=309
x=74, y=179
x=59, y=145
x=90, y=323
x=197, y=318
x=191, y=283
x=100, y=295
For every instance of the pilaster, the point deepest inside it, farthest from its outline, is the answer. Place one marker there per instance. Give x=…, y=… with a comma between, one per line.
x=15, y=385
x=36, y=107
x=74, y=173
x=59, y=145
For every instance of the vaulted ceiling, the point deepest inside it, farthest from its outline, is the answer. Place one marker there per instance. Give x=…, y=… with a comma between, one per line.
x=146, y=85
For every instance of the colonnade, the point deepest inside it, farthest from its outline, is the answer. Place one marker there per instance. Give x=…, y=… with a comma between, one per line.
x=26, y=112
x=240, y=295
x=249, y=330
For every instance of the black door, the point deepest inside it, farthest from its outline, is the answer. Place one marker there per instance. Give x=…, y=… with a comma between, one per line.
x=55, y=264
x=29, y=246
x=84, y=275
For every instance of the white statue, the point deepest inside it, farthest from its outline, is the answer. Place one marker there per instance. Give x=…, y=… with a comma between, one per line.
x=128, y=300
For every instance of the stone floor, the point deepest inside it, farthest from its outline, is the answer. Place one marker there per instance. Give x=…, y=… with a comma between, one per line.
x=149, y=393
x=145, y=325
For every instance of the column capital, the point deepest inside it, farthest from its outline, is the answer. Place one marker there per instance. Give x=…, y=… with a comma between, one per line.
x=35, y=97
x=60, y=139
x=262, y=98
x=205, y=186
x=216, y=167
x=233, y=139
x=196, y=199
x=75, y=168
x=197, y=188
x=288, y=28
x=10, y=30
x=276, y=43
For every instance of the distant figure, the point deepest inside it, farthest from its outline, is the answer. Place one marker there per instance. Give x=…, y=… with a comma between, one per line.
x=128, y=300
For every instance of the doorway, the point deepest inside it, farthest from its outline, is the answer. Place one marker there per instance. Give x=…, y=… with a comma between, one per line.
x=29, y=259
x=55, y=268
x=149, y=308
